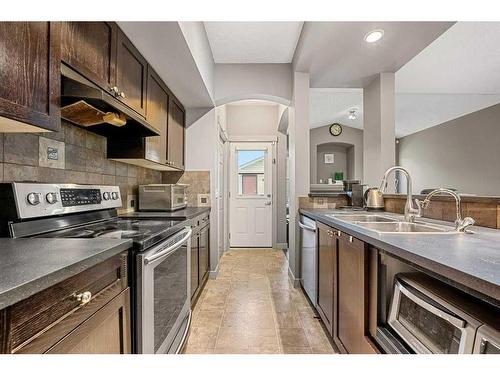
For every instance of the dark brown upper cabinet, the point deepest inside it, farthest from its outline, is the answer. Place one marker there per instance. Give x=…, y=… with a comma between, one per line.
x=131, y=74
x=157, y=115
x=176, y=128
x=90, y=49
x=30, y=58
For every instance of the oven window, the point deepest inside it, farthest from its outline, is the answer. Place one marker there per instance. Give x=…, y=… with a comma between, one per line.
x=437, y=334
x=170, y=293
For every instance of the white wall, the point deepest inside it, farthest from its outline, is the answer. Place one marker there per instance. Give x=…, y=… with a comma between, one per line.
x=201, y=155
x=299, y=155
x=349, y=135
x=197, y=40
x=252, y=120
x=379, y=140
x=253, y=81
x=463, y=153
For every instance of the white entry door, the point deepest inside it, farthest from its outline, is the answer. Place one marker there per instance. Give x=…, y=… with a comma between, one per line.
x=250, y=195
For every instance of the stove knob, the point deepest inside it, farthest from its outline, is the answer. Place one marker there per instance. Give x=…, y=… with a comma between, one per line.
x=105, y=196
x=51, y=198
x=114, y=195
x=33, y=199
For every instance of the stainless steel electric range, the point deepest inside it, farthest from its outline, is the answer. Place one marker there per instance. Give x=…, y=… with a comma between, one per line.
x=159, y=256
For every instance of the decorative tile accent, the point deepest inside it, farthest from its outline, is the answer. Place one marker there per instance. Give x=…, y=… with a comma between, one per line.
x=322, y=202
x=51, y=153
x=21, y=148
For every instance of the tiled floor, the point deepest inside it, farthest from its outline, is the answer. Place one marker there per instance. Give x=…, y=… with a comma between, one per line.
x=253, y=308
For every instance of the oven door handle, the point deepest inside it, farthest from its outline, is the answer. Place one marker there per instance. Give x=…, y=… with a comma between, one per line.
x=169, y=249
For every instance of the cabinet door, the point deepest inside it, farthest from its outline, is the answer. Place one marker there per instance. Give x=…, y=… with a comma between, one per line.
x=131, y=71
x=157, y=116
x=327, y=253
x=352, y=295
x=90, y=49
x=203, y=265
x=176, y=135
x=30, y=62
x=105, y=332
x=194, y=264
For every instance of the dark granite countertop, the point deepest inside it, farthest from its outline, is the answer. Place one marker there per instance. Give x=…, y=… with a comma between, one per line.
x=470, y=262
x=185, y=214
x=30, y=265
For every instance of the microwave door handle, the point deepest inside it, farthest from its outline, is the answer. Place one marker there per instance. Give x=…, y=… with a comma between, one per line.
x=169, y=249
x=306, y=227
x=459, y=323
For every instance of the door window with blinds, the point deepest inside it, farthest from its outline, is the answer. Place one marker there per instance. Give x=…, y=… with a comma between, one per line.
x=251, y=172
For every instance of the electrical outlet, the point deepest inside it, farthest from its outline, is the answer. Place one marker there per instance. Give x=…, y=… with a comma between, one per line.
x=203, y=200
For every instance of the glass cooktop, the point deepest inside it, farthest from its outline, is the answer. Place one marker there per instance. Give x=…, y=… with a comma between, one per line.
x=143, y=232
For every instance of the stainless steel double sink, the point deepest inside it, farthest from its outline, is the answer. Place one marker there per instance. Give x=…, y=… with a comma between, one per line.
x=389, y=225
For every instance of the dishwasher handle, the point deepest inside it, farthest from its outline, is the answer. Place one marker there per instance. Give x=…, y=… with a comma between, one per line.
x=307, y=227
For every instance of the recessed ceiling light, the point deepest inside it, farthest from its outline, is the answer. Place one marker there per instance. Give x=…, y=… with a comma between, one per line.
x=374, y=36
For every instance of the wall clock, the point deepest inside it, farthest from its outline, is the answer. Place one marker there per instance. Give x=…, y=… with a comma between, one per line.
x=335, y=129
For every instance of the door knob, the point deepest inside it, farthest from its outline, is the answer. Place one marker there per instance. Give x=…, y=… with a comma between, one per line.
x=268, y=203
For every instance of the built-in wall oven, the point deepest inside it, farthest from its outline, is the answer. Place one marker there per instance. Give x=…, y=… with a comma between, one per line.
x=163, y=295
x=432, y=317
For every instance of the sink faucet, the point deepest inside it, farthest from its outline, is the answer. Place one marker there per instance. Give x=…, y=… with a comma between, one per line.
x=410, y=212
x=461, y=225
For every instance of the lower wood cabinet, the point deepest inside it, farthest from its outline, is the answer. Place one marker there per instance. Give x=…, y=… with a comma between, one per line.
x=352, y=296
x=203, y=261
x=194, y=264
x=327, y=275
x=343, y=293
x=86, y=313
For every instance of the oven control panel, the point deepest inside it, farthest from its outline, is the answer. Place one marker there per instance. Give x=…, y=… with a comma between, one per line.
x=38, y=200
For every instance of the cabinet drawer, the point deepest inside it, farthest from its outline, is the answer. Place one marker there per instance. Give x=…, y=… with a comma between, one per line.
x=39, y=321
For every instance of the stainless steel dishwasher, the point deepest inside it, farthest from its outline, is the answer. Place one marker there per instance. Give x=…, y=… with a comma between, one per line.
x=309, y=258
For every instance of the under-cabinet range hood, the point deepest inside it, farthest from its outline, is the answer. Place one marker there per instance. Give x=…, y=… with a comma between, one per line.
x=84, y=103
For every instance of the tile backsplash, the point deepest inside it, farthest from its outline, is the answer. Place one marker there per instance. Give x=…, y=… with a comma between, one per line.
x=72, y=155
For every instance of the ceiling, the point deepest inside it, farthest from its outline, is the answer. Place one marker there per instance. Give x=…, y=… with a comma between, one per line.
x=336, y=55
x=253, y=42
x=464, y=60
x=327, y=106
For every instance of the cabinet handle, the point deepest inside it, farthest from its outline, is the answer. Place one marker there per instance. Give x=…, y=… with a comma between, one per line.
x=338, y=233
x=350, y=239
x=84, y=297
x=114, y=90
x=122, y=95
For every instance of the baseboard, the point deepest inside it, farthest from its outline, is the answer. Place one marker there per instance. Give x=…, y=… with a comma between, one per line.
x=213, y=274
x=295, y=281
x=282, y=245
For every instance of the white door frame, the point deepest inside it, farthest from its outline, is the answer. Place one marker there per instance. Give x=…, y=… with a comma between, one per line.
x=252, y=144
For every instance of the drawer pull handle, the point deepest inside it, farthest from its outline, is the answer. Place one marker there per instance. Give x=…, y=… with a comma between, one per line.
x=338, y=233
x=84, y=297
x=350, y=239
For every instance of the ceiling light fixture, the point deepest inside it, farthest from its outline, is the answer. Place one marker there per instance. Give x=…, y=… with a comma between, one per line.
x=374, y=36
x=352, y=114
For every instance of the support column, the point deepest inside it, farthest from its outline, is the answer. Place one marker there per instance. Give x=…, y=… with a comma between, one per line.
x=299, y=133
x=379, y=140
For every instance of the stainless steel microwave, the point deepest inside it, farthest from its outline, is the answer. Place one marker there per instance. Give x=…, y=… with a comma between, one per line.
x=162, y=197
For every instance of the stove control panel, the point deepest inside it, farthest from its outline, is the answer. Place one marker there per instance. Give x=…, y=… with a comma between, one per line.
x=39, y=200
